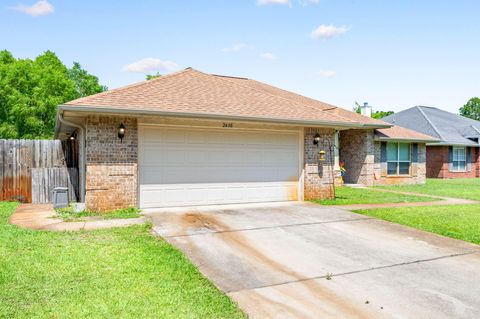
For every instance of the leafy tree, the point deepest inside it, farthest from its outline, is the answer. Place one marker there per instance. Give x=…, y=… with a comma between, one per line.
x=31, y=90
x=471, y=109
x=381, y=114
x=85, y=84
x=153, y=76
x=357, y=108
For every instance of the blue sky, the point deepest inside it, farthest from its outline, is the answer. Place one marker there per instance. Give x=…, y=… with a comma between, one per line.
x=393, y=54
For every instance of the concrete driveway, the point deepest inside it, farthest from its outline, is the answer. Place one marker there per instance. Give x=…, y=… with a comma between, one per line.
x=275, y=261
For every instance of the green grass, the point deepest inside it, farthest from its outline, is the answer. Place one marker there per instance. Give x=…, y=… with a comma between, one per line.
x=349, y=195
x=456, y=221
x=468, y=188
x=115, y=273
x=68, y=214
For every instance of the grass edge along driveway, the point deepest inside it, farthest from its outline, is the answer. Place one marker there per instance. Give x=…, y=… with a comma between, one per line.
x=350, y=195
x=467, y=188
x=455, y=221
x=114, y=273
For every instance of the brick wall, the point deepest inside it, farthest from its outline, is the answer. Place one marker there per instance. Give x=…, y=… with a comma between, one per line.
x=361, y=155
x=357, y=152
x=111, y=176
x=318, y=175
x=417, y=176
x=477, y=162
x=438, y=166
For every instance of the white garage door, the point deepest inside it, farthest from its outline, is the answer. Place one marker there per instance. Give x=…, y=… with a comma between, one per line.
x=184, y=167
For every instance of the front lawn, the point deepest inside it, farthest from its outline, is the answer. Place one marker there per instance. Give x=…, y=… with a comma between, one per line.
x=115, y=273
x=458, y=221
x=468, y=188
x=349, y=195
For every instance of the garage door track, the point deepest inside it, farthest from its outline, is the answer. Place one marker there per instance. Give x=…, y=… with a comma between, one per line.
x=300, y=260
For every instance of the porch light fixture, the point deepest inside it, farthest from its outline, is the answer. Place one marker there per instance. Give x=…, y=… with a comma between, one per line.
x=121, y=132
x=321, y=156
x=316, y=139
x=72, y=137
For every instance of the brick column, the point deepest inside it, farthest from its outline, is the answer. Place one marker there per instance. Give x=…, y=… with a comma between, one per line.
x=318, y=175
x=357, y=151
x=111, y=176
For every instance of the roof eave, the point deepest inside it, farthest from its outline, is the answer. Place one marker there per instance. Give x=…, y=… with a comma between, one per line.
x=405, y=139
x=443, y=143
x=113, y=110
x=378, y=126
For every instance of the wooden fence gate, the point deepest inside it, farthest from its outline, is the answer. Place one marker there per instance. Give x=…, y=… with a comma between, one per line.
x=30, y=169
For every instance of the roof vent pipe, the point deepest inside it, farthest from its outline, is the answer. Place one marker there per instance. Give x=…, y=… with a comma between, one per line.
x=366, y=109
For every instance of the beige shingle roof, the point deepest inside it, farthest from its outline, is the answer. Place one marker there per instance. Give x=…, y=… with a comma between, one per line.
x=400, y=133
x=194, y=92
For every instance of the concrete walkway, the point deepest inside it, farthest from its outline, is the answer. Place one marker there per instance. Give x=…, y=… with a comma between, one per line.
x=42, y=217
x=442, y=201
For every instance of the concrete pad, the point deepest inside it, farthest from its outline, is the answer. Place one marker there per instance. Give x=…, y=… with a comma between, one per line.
x=273, y=261
x=34, y=216
x=41, y=217
x=109, y=223
x=64, y=226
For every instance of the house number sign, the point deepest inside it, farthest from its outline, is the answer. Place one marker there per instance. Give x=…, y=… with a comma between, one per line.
x=229, y=125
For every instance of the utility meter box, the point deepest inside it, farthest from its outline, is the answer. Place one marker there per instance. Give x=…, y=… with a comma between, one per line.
x=60, y=197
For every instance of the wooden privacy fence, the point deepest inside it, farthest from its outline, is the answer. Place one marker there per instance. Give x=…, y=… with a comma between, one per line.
x=30, y=169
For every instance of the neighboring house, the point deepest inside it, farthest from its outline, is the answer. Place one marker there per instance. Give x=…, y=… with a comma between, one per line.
x=457, y=154
x=192, y=138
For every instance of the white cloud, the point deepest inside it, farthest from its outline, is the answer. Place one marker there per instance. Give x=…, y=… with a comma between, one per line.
x=237, y=47
x=266, y=2
x=149, y=65
x=40, y=8
x=327, y=74
x=328, y=31
x=268, y=56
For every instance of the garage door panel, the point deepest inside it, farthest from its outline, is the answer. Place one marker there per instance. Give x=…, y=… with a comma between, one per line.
x=207, y=194
x=160, y=175
x=183, y=167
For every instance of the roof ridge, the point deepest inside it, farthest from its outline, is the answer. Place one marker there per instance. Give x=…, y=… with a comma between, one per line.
x=230, y=76
x=284, y=98
x=475, y=128
x=430, y=122
x=108, y=92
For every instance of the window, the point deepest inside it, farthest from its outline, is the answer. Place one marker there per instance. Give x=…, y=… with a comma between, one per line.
x=459, y=159
x=398, y=158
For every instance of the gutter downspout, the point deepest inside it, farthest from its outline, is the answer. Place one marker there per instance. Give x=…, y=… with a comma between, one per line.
x=81, y=155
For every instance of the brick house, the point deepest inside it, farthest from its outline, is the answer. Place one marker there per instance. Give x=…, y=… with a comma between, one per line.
x=191, y=138
x=457, y=154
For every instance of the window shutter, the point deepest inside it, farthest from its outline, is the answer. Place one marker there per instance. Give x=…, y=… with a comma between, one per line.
x=469, y=159
x=383, y=159
x=450, y=158
x=414, y=158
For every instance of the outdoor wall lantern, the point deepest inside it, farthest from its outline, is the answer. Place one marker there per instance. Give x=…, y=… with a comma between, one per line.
x=316, y=139
x=121, y=132
x=321, y=156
